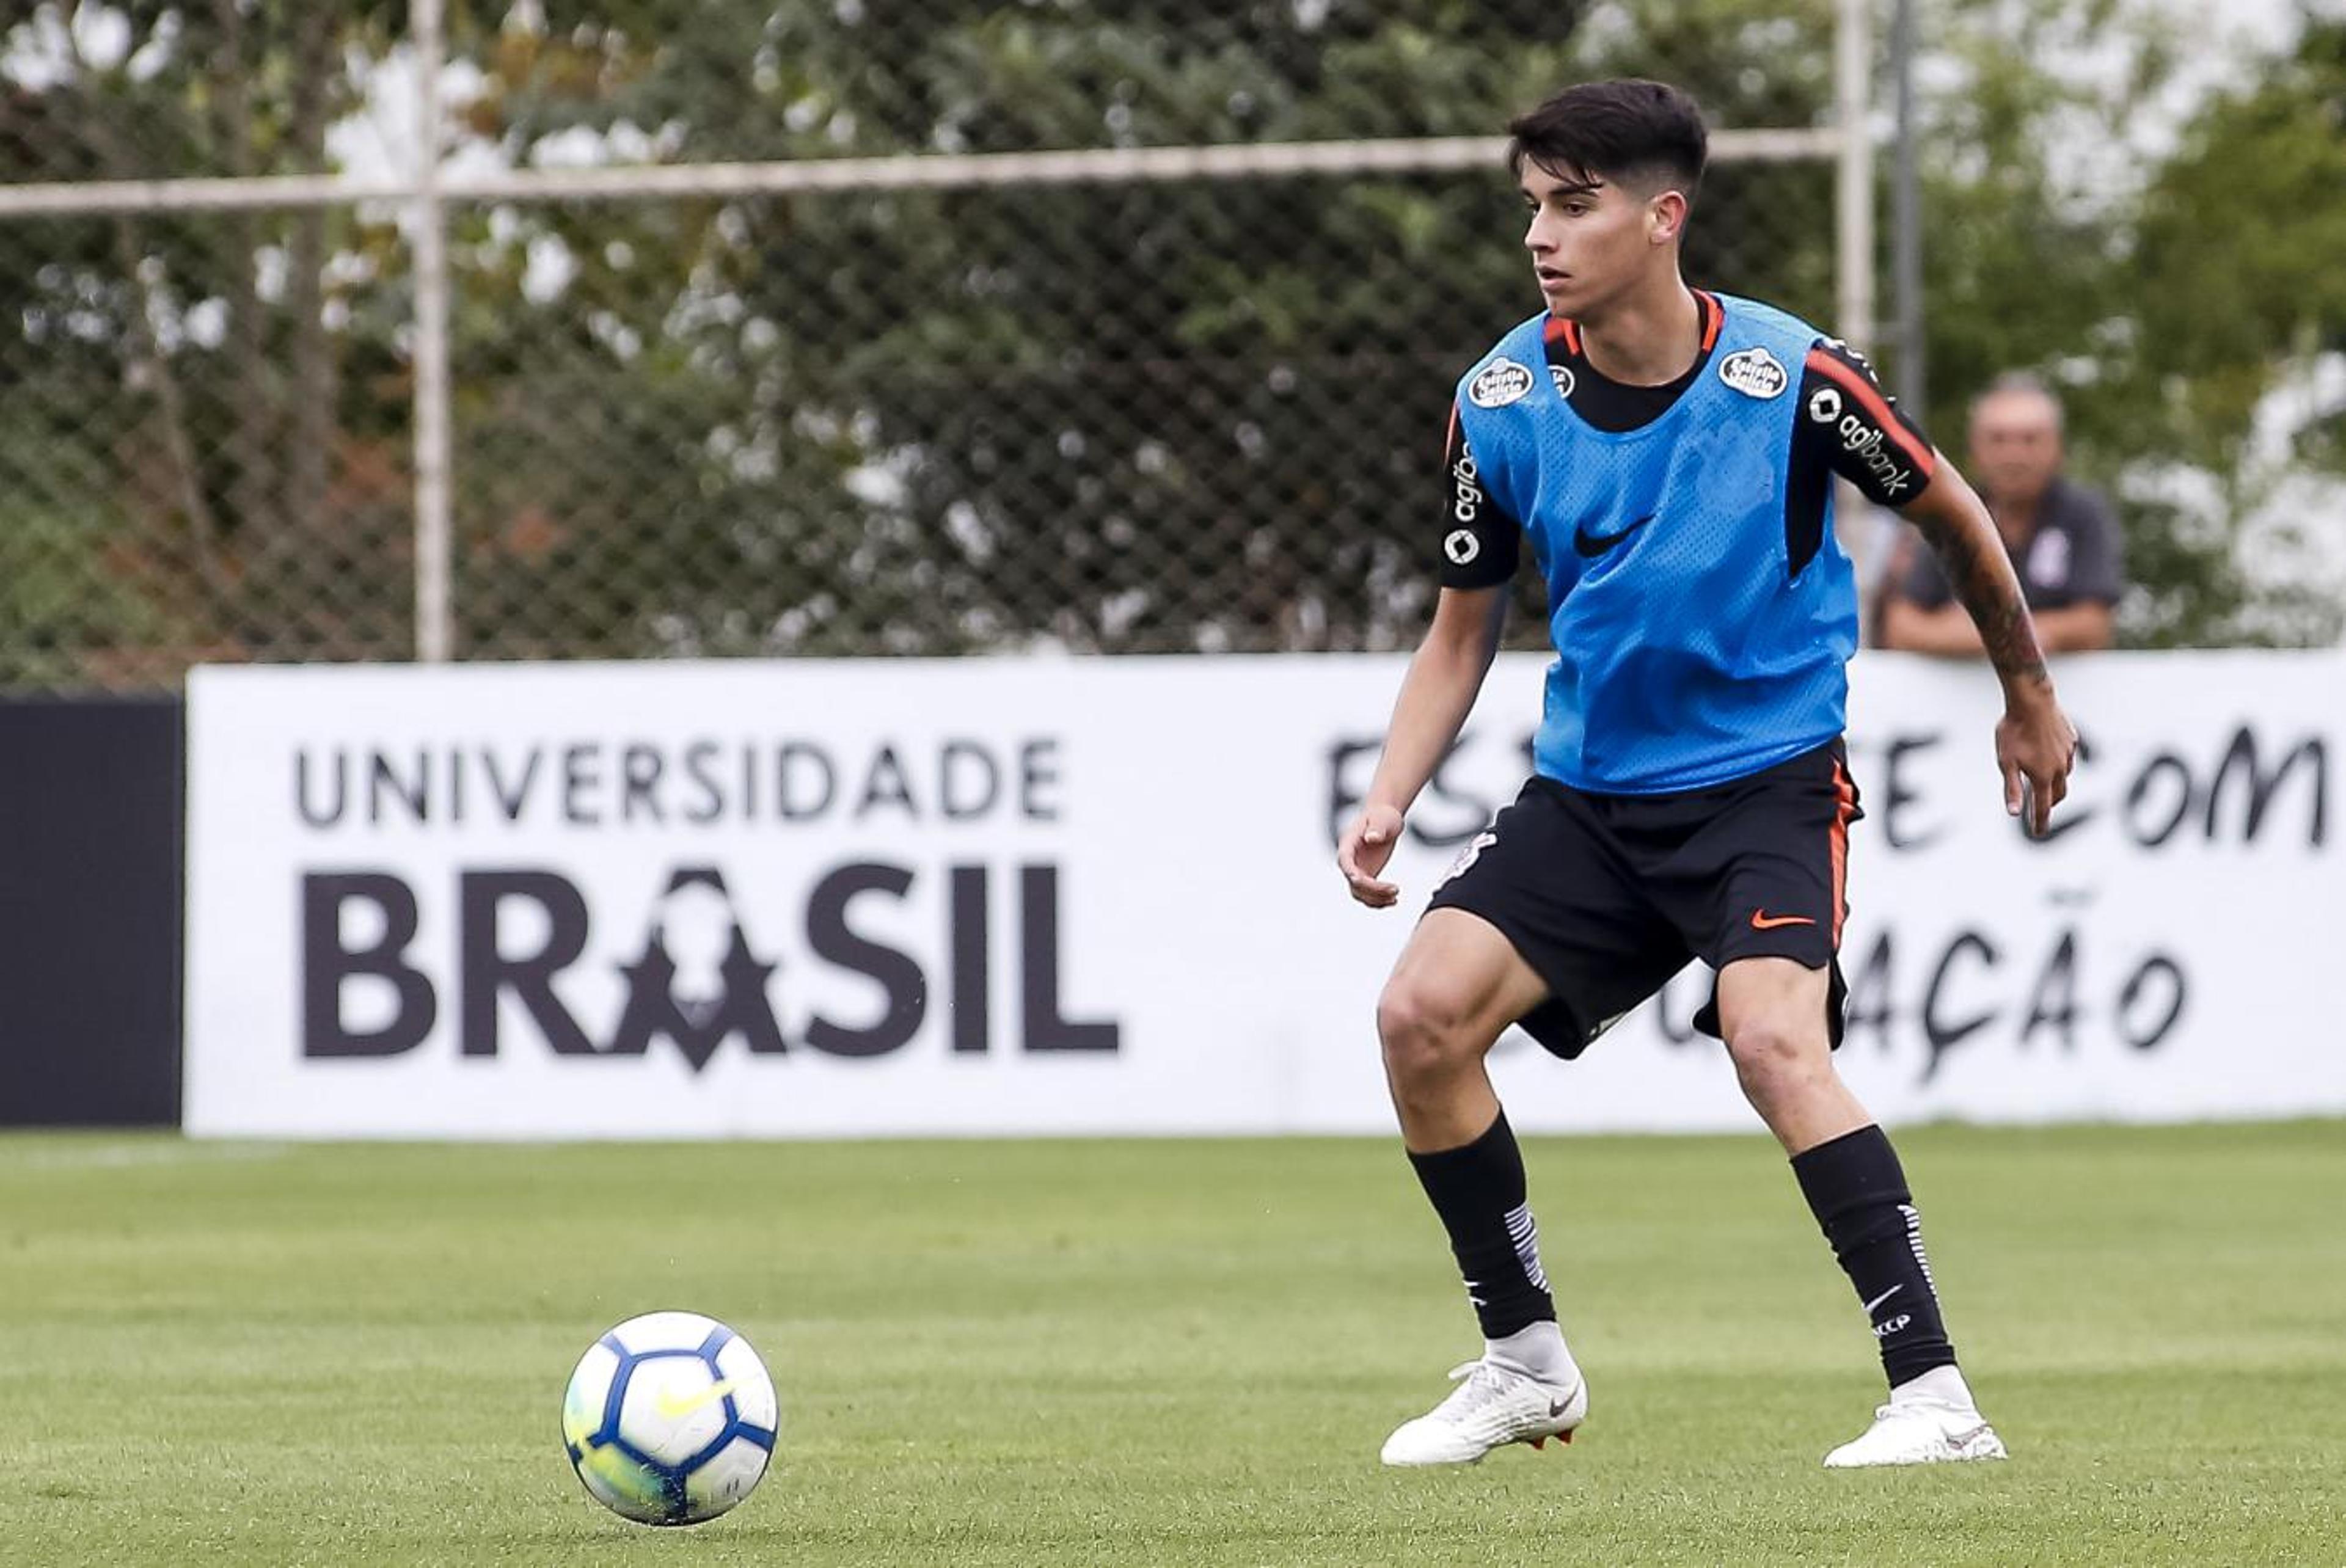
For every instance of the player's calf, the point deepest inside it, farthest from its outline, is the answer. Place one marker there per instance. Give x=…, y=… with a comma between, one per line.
x=1526, y=1387
x=1858, y=1191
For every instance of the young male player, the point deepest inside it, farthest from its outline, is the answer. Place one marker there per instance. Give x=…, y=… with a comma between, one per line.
x=1669, y=454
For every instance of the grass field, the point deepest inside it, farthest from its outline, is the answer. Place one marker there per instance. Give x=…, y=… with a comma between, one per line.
x=1071, y=1353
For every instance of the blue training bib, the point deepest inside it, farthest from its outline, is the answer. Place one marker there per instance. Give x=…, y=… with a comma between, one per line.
x=1688, y=653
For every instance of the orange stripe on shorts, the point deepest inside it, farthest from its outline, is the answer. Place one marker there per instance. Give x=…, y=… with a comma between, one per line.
x=1844, y=810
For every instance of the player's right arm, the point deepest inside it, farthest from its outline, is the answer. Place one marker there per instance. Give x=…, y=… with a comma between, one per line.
x=1479, y=546
x=1443, y=678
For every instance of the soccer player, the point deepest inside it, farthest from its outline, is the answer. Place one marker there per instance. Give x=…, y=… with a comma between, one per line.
x=1668, y=453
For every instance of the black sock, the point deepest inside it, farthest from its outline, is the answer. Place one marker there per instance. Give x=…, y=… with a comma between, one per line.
x=1478, y=1191
x=1857, y=1193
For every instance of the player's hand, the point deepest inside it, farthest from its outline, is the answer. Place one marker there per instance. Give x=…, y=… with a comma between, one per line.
x=2035, y=747
x=1367, y=844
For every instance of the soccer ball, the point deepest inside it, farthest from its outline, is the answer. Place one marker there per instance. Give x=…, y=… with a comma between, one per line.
x=670, y=1418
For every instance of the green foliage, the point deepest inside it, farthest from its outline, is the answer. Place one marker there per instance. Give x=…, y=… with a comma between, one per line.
x=1194, y=414
x=202, y=417
x=2173, y=300
x=2239, y=281
x=68, y=590
x=1169, y=416
x=2237, y=293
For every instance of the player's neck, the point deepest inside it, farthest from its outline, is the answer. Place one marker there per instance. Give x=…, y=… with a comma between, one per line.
x=1647, y=338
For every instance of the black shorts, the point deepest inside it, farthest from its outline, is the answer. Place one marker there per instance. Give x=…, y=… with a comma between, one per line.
x=1609, y=896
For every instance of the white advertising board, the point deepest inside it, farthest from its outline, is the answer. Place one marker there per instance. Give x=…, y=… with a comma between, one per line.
x=985, y=897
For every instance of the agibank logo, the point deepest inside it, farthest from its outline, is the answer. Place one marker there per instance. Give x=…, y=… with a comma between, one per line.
x=1866, y=441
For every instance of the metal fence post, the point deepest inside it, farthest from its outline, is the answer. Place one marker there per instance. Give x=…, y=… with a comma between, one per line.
x=1906, y=221
x=432, y=641
x=1854, y=522
x=1853, y=103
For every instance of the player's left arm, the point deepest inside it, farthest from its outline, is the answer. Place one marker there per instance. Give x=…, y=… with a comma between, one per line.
x=1850, y=423
x=2035, y=745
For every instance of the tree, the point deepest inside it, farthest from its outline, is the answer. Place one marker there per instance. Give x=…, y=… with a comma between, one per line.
x=1163, y=417
x=1145, y=417
x=188, y=359
x=2240, y=302
x=2170, y=295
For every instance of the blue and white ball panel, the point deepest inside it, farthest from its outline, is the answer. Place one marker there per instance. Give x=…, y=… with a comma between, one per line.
x=753, y=1389
x=664, y=1332
x=674, y=1407
x=727, y=1479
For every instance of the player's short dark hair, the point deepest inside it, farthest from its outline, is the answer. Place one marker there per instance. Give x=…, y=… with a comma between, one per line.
x=1634, y=132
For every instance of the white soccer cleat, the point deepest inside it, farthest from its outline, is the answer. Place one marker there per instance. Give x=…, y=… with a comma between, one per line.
x=1919, y=1431
x=1491, y=1406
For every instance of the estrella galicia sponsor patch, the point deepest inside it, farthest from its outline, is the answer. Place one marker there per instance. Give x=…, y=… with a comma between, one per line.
x=1562, y=376
x=1499, y=383
x=1754, y=372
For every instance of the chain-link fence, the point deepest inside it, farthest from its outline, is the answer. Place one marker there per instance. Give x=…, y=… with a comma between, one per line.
x=782, y=329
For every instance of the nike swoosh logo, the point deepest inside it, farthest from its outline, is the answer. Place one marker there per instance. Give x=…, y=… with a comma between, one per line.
x=1589, y=544
x=1555, y=1408
x=1762, y=920
x=1885, y=1296
x=673, y=1409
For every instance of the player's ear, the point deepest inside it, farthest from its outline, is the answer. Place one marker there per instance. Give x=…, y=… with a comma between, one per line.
x=1666, y=216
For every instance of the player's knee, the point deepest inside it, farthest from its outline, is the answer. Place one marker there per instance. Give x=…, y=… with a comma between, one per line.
x=1773, y=1058
x=1424, y=1028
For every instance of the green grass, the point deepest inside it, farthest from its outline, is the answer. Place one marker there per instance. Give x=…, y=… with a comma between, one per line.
x=1108, y=1353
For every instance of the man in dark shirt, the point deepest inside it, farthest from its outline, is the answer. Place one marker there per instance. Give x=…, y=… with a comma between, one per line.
x=2063, y=541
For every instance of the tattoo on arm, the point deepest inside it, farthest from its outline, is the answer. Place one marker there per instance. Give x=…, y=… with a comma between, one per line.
x=1988, y=589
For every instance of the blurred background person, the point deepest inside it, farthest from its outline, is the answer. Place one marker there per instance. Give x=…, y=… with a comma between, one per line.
x=2062, y=536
